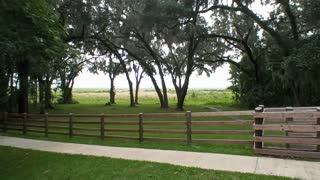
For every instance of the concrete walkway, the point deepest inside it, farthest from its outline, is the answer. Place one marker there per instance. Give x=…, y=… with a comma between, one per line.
x=245, y=164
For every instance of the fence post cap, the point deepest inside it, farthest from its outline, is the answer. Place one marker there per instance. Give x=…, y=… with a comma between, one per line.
x=289, y=108
x=258, y=109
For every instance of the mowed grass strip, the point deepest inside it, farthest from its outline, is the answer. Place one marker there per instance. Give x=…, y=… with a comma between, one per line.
x=28, y=164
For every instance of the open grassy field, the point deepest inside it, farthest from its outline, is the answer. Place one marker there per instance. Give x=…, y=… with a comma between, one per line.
x=22, y=164
x=92, y=101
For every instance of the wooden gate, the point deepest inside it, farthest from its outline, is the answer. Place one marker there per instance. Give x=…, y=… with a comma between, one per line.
x=287, y=131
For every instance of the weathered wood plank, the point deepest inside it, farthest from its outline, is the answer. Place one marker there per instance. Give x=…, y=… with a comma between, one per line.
x=59, y=133
x=35, y=131
x=210, y=123
x=311, y=114
x=189, y=127
x=120, y=130
x=222, y=141
x=284, y=127
x=58, y=115
x=86, y=135
x=280, y=139
x=287, y=153
x=46, y=124
x=11, y=119
x=8, y=123
x=58, y=121
x=70, y=125
x=121, y=116
x=24, y=127
x=302, y=134
x=121, y=137
x=141, y=127
x=86, y=122
x=102, y=127
x=164, y=123
x=14, y=129
x=35, y=126
x=240, y=132
x=303, y=147
x=121, y=123
x=223, y=113
x=35, y=121
x=164, y=139
x=161, y=131
x=86, y=129
x=58, y=127
x=163, y=115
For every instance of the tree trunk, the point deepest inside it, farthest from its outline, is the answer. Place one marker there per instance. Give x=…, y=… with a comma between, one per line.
x=158, y=91
x=132, y=104
x=183, y=94
x=164, y=88
x=35, y=92
x=48, y=93
x=4, y=83
x=138, y=81
x=23, y=73
x=123, y=64
x=112, y=92
x=67, y=92
x=12, y=96
x=176, y=87
x=136, y=98
x=41, y=95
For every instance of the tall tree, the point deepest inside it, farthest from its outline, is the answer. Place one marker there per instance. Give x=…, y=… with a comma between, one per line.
x=33, y=34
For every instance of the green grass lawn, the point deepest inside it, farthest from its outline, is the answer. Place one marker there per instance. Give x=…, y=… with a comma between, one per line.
x=93, y=102
x=22, y=164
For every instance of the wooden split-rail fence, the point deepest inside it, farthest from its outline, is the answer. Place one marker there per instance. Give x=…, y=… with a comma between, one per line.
x=293, y=132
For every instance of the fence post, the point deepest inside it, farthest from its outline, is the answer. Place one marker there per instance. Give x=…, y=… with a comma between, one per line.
x=24, y=124
x=140, y=127
x=46, y=124
x=258, y=145
x=318, y=133
x=189, y=130
x=5, y=119
x=288, y=121
x=102, y=126
x=70, y=125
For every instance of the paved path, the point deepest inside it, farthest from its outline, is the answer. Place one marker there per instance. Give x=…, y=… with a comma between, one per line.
x=245, y=164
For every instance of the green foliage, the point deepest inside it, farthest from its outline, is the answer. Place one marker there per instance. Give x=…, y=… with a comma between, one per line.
x=288, y=59
x=29, y=33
